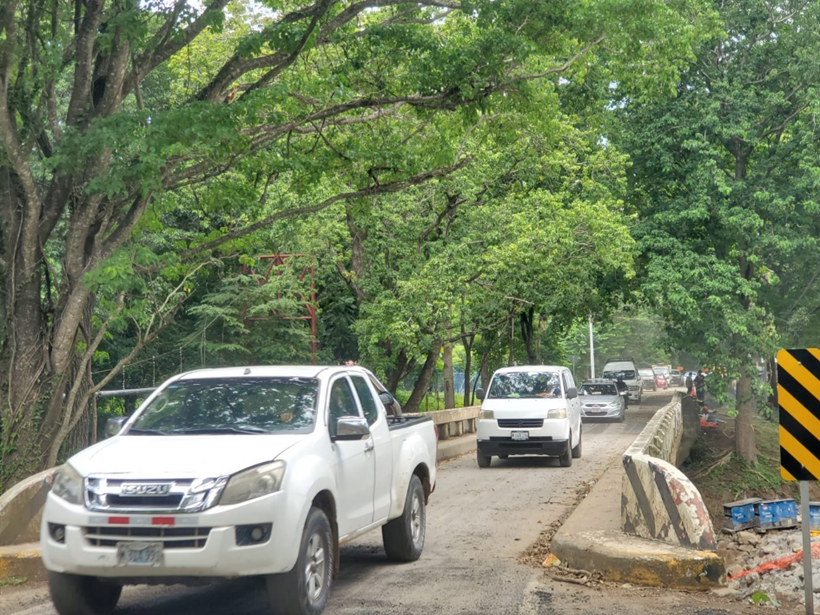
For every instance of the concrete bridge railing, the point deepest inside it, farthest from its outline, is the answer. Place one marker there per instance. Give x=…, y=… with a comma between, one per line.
x=659, y=501
x=455, y=422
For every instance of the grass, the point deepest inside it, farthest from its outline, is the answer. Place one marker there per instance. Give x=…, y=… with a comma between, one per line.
x=723, y=477
x=11, y=581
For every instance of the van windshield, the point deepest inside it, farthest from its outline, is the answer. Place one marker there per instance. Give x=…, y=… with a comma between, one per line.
x=628, y=374
x=230, y=406
x=525, y=385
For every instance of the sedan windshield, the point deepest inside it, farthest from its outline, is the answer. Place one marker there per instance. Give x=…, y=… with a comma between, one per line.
x=599, y=389
x=231, y=406
x=523, y=385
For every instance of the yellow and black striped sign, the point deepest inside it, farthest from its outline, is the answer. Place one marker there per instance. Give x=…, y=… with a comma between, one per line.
x=798, y=395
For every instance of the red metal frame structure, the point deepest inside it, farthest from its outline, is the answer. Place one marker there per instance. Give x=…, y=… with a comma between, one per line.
x=278, y=261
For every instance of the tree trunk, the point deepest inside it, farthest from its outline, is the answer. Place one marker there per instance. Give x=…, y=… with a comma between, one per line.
x=395, y=375
x=484, y=371
x=423, y=381
x=744, y=433
x=511, y=356
x=527, y=319
x=449, y=378
x=467, y=342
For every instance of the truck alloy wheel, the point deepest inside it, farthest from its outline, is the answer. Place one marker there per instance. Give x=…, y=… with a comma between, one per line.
x=305, y=589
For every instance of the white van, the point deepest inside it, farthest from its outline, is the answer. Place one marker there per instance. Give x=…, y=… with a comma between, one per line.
x=529, y=410
x=632, y=378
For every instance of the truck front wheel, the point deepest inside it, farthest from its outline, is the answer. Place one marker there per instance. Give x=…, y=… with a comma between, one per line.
x=74, y=594
x=305, y=589
x=404, y=537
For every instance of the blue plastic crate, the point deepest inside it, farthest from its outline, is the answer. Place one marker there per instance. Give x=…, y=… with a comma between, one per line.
x=814, y=514
x=772, y=514
x=740, y=515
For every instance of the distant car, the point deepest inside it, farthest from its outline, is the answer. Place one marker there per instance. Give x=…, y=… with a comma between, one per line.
x=600, y=400
x=662, y=381
x=675, y=378
x=648, y=378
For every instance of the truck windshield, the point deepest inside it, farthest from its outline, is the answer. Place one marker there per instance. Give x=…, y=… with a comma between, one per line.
x=231, y=406
x=524, y=385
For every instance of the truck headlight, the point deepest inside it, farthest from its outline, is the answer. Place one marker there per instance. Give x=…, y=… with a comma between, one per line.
x=557, y=413
x=486, y=414
x=253, y=483
x=68, y=484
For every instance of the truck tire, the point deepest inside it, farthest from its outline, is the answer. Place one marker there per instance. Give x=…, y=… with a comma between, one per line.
x=305, y=589
x=577, y=450
x=404, y=537
x=566, y=457
x=482, y=459
x=73, y=594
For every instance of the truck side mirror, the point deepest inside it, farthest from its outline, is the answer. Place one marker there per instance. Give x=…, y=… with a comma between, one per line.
x=113, y=426
x=350, y=428
x=572, y=393
x=479, y=393
x=386, y=398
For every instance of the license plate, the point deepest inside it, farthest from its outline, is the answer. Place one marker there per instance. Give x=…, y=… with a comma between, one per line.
x=596, y=412
x=520, y=435
x=139, y=554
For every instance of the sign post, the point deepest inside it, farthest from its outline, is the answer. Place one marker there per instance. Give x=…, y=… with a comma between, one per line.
x=798, y=396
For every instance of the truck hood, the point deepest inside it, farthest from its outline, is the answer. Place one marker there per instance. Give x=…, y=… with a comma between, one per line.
x=181, y=456
x=523, y=408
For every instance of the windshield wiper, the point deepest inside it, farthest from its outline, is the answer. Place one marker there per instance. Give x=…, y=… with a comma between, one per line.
x=135, y=431
x=220, y=430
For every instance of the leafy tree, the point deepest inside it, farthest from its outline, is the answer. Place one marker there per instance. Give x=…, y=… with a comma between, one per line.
x=725, y=178
x=114, y=113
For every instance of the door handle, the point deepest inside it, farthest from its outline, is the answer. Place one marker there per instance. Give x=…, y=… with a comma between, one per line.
x=369, y=446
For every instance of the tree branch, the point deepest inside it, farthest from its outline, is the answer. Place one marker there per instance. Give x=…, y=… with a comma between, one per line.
x=386, y=188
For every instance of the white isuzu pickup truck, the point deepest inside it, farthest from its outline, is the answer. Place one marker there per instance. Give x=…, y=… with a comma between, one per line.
x=237, y=472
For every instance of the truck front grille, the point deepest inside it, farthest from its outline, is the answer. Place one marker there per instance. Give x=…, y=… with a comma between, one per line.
x=171, y=537
x=518, y=423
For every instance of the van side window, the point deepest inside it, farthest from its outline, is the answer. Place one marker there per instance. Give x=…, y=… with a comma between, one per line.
x=564, y=381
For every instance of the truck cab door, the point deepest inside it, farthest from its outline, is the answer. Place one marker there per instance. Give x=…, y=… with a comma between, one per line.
x=354, y=463
x=383, y=446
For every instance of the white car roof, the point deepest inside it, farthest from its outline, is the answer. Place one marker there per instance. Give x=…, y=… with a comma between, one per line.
x=271, y=371
x=530, y=368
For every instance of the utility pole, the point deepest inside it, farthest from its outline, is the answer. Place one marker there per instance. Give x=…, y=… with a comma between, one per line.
x=591, y=350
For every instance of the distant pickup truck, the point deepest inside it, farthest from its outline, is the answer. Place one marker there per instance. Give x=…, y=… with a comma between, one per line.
x=238, y=472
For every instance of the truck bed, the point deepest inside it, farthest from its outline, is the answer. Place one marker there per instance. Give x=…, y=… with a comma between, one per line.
x=405, y=420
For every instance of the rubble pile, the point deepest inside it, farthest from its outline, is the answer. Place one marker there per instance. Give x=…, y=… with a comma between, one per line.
x=770, y=563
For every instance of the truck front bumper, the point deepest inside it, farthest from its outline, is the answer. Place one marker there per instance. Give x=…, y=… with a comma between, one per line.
x=548, y=438
x=201, y=544
x=535, y=446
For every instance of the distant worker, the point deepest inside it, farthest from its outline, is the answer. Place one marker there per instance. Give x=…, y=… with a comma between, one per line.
x=690, y=383
x=700, y=386
x=623, y=389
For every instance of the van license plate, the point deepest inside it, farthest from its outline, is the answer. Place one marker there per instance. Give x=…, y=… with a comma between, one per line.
x=139, y=554
x=520, y=435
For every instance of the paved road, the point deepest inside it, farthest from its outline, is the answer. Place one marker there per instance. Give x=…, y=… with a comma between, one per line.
x=479, y=523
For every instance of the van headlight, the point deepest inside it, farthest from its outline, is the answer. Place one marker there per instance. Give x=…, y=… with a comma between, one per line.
x=557, y=413
x=68, y=484
x=253, y=483
x=486, y=414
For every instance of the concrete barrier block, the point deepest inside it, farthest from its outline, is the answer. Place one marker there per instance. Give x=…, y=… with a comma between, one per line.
x=660, y=502
x=21, y=508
